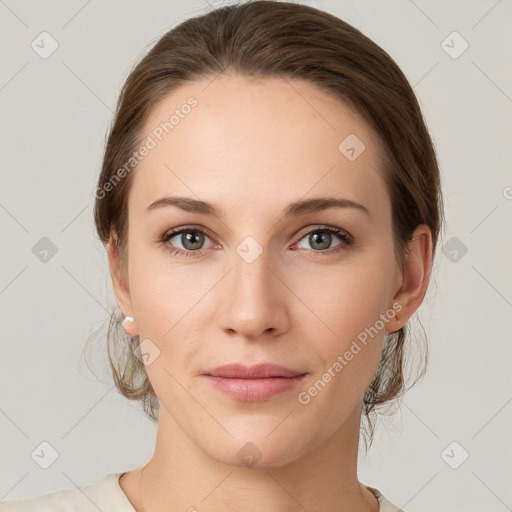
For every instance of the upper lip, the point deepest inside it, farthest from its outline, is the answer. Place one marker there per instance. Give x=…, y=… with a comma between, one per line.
x=258, y=371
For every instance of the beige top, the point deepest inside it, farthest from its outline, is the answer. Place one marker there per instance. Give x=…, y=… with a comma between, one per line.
x=105, y=494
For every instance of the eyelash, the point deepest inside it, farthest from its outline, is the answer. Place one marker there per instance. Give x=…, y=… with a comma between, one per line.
x=347, y=240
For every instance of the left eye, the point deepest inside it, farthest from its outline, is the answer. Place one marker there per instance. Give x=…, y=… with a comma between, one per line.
x=322, y=238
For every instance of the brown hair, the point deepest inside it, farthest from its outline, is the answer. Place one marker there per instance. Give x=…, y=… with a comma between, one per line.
x=267, y=38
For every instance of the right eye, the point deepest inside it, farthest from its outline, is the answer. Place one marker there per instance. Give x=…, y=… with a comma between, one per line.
x=190, y=238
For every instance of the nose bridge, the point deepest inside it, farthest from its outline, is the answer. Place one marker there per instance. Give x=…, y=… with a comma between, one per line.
x=251, y=271
x=251, y=255
x=251, y=304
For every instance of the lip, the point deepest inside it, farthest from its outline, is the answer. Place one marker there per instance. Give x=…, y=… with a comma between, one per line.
x=257, y=371
x=253, y=383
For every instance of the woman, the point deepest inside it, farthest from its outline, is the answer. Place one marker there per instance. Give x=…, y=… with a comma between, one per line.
x=270, y=201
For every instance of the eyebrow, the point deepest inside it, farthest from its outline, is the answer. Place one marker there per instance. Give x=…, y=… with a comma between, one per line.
x=296, y=209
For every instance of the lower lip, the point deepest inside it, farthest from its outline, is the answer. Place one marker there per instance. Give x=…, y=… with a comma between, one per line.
x=254, y=390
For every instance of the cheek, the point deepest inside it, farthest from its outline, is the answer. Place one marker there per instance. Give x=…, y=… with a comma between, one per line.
x=346, y=318
x=344, y=301
x=161, y=292
x=348, y=331
x=169, y=300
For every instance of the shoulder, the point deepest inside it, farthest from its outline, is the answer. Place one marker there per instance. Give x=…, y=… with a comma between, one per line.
x=385, y=504
x=103, y=494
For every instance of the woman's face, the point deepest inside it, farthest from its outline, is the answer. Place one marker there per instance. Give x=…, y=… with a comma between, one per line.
x=260, y=285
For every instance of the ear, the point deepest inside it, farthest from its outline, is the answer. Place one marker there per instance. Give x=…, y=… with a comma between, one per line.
x=415, y=275
x=121, y=286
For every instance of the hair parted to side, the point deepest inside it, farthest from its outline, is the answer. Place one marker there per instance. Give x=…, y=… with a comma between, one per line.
x=267, y=38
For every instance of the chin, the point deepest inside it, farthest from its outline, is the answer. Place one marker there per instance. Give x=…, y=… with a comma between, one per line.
x=257, y=443
x=250, y=455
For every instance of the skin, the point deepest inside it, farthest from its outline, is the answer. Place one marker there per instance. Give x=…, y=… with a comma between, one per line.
x=251, y=147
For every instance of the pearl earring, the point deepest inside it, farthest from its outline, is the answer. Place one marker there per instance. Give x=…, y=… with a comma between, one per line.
x=127, y=325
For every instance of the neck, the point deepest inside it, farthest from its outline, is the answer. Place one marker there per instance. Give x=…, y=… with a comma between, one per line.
x=181, y=476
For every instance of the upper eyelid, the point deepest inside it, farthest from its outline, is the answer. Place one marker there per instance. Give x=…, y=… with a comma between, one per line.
x=320, y=227
x=181, y=229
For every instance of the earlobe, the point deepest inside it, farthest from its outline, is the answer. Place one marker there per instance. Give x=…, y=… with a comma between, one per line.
x=416, y=276
x=396, y=322
x=130, y=326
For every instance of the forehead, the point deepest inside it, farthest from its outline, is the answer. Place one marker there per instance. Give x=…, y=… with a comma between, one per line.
x=248, y=141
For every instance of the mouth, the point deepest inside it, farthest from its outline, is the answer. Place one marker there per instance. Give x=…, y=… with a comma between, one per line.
x=255, y=383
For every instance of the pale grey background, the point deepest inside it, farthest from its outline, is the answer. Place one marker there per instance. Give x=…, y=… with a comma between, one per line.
x=55, y=113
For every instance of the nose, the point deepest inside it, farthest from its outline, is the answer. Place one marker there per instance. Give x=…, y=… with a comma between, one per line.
x=254, y=299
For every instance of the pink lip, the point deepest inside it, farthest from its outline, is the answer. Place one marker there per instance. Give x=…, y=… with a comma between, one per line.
x=258, y=371
x=254, y=383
